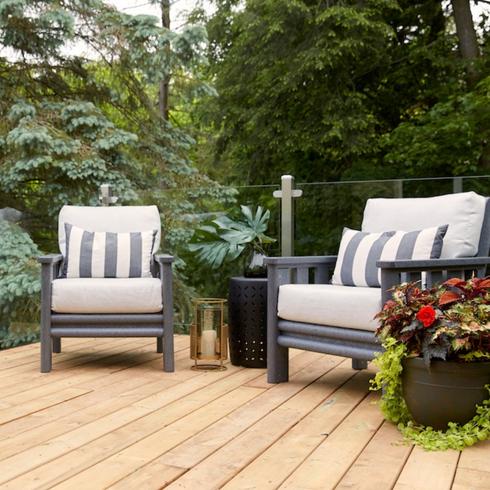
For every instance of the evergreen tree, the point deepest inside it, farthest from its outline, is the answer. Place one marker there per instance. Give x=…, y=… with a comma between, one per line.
x=79, y=107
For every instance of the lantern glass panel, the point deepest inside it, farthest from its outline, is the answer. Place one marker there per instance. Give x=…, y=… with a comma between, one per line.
x=209, y=332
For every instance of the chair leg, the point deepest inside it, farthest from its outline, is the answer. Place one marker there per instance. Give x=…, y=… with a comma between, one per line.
x=160, y=345
x=45, y=331
x=46, y=354
x=168, y=318
x=277, y=364
x=56, y=345
x=168, y=352
x=359, y=364
x=168, y=341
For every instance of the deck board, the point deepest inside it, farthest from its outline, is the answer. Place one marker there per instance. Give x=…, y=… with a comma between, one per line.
x=107, y=416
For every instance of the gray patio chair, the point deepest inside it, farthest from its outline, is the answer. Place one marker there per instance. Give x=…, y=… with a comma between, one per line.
x=339, y=320
x=108, y=306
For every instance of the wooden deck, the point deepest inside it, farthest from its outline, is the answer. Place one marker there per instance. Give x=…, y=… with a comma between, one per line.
x=108, y=417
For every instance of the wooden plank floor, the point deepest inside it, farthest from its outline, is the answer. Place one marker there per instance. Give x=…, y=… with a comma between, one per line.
x=107, y=416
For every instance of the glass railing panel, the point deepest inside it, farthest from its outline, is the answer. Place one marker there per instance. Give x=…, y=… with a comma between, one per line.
x=320, y=215
x=480, y=185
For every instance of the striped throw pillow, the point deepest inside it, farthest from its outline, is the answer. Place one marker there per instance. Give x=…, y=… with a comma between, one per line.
x=106, y=254
x=359, y=252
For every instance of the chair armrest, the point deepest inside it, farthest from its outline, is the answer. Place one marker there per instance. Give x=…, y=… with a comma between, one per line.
x=437, y=270
x=307, y=261
x=164, y=263
x=163, y=258
x=433, y=264
x=295, y=270
x=50, y=266
x=50, y=259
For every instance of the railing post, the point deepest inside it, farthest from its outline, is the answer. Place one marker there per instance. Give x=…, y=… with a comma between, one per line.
x=105, y=195
x=287, y=194
x=398, y=184
x=457, y=184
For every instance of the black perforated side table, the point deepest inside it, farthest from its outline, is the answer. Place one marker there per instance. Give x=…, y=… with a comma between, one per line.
x=247, y=321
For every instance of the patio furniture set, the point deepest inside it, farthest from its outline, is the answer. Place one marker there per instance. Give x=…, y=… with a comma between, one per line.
x=109, y=281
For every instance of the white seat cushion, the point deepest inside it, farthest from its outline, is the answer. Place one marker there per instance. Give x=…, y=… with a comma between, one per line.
x=463, y=212
x=95, y=295
x=326, y=304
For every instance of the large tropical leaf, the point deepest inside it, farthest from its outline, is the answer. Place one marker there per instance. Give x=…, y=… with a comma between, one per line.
x=224, y=239
x=211, y=253
x=258, y=223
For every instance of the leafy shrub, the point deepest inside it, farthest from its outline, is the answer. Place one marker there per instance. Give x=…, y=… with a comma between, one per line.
x=19, y=286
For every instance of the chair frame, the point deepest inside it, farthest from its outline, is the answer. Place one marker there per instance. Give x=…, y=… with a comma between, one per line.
x=54, y=325
x=360, y=345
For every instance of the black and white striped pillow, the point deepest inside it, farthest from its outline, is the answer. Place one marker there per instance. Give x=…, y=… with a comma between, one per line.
x=359, y=252
x=106, y=254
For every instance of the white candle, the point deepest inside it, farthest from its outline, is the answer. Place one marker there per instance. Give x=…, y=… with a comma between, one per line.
x=208, y=342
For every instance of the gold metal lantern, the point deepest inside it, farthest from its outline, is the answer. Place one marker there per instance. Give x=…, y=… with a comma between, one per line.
x=209, y=334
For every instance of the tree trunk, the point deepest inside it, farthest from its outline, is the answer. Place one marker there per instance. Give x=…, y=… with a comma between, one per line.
x=465, y=29
x=164, y=84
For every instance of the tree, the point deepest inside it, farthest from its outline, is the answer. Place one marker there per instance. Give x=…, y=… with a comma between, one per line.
x=164, y=84
x=466, y=32
x=310, y=87
x=465, y=29
x=341, y=90
x=70, y=123
x=79, y=107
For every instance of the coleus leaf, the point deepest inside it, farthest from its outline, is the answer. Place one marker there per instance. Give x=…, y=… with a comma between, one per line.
x=448, y=297
x=415, y=325
x=485, y=283
x=454, y=282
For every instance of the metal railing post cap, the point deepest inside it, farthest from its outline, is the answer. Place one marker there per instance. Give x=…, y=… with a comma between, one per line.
x=287, y=195
x=105, y=195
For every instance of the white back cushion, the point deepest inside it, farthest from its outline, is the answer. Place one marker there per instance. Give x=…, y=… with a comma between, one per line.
x=463, y=212
x=109, y=219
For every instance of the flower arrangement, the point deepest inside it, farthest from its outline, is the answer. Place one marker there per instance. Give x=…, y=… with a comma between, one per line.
x=449, y=322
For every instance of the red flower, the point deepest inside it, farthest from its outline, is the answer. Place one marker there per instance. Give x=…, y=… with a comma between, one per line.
x=427, y=315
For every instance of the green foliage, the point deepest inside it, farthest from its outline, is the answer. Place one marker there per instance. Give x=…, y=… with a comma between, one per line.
x=19, y=286
x=316, y=89
x=449, y=138
x=395, y=409
x=79, y=107
x=449, y=322
x=37, y=28
x=388, y=378
x=70, y=124
x=225, y=239
x=319, y=89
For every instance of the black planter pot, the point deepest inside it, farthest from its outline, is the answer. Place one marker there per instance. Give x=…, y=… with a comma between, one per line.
x=255, y=267
x=448, y=392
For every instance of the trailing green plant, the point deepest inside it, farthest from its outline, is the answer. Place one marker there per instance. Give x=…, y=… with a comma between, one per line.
x=449, y=322
x=225, y=239
x=394, y=408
